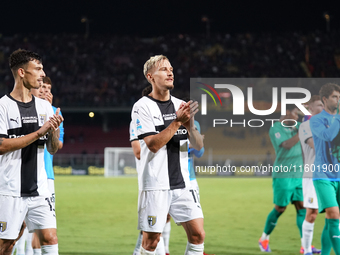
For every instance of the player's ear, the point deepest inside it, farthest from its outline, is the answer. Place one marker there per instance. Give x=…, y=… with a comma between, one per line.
x=20, y=72
x=149, y=77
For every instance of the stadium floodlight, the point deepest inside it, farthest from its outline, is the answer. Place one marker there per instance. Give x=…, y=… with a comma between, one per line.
x=328, y=21
x=85, y=20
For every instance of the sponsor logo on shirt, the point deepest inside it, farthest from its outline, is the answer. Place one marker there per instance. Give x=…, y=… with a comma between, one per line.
x=169, y=116
x=30, y=119
x=181, y=132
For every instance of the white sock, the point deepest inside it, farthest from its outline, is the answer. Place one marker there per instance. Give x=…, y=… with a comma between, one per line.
x=49, y=249
x=264, y=236
x=194, y=249
x=36, y=251
x=166, y=236
x=136, y=251
x=160, y=247
x=307, y=236
x=145, y=252
x=29, y=249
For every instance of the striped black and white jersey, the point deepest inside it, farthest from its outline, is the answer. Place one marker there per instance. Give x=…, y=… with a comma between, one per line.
x=22, y=172
x=168, y=167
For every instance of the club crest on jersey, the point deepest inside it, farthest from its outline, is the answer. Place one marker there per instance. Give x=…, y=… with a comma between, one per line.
x=310, y=200
x=42, y=119
x=139, y=126
x=3, y=226
x=277, y=135
x=152, y=220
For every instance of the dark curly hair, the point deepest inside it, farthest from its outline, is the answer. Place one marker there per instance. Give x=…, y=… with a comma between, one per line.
x=21, y=57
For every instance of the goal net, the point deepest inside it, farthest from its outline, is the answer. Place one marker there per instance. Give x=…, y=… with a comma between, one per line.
x=119, y=161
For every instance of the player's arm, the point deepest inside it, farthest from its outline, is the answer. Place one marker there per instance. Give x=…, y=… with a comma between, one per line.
x=13, y=144
x=325, y=133
x=61, y=134
x=310, y=142
x=52, y=143
x=136, y=148
x=157, y=141
x=288, y=144
x=195, y=138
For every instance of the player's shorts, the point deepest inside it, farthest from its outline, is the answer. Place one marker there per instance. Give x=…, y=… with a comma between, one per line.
x=310, y=199
x=328, y=193
x=287, y=190
x=50, y=184
x=38, y=213
x=153, y=206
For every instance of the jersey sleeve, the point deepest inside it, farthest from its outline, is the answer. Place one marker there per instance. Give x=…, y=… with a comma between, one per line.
x=277, y=136
x=304, y=132
x=133, y=134
x=142, y=120
x=3, y=123
x=321, y=131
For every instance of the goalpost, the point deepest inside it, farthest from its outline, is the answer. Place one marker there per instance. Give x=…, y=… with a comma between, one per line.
x=119, y=161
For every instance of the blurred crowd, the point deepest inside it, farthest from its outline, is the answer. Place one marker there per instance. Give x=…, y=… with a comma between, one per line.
x=107, y=70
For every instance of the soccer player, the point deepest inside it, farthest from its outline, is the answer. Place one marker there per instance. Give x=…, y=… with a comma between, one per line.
x=310, y=201
x=26, y=124
x=325, y=129
x=44, y=92
x=163, y=124
x=136, y=151
x=287, y=186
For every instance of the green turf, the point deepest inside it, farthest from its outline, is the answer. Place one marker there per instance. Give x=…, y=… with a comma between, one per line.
x=98, y=215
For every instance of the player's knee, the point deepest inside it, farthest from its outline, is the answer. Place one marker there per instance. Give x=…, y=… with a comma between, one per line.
x=6, y=246
x=151, y=242
x=280, y=209
x=49, y=239
x=197, y=237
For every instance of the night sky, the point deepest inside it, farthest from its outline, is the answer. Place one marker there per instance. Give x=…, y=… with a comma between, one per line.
x=153, y=18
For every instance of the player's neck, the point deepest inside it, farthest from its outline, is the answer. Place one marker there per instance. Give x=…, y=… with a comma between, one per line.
x=21, y=93
x=161, y=95
x=330, y=111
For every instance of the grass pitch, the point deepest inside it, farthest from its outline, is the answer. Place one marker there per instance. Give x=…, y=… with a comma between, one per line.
x=98, y=215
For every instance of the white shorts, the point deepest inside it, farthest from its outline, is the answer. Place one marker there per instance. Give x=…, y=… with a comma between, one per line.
x=309, y=195
x=153, y=206
x=50, y=184
x=38, y=213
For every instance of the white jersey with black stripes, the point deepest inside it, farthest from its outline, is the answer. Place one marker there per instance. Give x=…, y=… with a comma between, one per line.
x=168, y=167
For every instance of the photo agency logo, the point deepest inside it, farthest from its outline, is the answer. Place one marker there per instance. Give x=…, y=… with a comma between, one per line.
x=297, y=96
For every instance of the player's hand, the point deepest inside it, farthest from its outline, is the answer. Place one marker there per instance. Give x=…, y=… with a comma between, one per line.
x=193, y=110
x=49, y=97
x=56, y=120
x=183, y=112
x=52, y=124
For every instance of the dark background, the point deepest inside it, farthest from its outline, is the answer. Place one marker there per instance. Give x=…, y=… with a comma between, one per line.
x=152, y=18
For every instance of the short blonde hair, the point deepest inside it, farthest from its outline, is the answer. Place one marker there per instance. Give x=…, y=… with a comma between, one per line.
x=152, y=62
